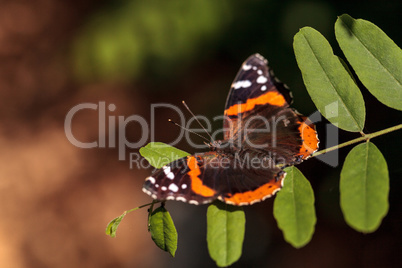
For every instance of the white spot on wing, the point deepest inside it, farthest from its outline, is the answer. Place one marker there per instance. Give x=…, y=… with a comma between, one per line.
x=266, y=197
x=255, y=201
x=261, y=79
x=246, y=67
x=173, y=187
x=184, y=186
x=264, y=87
x=180, y=198
x=228, y=202
x=259, y=72
x=163, y=188
x=166, y=169
x=168, y=172
x=146, y=191
x=193, y=202
x=150, y=179
x=240, y=84
x=276, y=190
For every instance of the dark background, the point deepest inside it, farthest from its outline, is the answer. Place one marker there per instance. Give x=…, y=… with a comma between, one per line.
x=56, y=199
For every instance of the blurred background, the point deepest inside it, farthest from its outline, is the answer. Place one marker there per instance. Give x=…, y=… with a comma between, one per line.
x=56, y=199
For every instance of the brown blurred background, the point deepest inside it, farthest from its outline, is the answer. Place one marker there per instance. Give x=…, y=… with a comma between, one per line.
x=56, y=199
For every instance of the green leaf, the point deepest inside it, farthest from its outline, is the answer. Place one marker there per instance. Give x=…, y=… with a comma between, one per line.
x=364, y=188
x=111, y=228
x=225, y=233
x=163, y=231
x=294, y=208
x=159, y=154
x=376, y=59
x=329, y=84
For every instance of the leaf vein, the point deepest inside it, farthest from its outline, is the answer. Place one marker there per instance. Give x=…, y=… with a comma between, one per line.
x=332, y=85
x=375, y=58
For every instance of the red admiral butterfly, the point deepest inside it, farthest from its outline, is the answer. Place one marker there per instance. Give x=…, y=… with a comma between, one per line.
x=262, y=135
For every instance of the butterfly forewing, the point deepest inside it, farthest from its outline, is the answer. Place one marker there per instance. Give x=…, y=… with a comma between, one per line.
x=257, y=115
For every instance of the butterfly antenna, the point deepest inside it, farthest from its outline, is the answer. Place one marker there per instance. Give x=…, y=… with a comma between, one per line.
x=188, y=109
x=170, y=120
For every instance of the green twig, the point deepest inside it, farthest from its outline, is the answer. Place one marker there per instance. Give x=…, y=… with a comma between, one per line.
x=365, y=137
x=149, y=204
x=150, y=212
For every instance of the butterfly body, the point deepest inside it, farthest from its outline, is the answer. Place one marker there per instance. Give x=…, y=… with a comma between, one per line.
x=262, y=135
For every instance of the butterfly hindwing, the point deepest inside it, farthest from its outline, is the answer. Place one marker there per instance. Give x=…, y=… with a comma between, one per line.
x=205, y=177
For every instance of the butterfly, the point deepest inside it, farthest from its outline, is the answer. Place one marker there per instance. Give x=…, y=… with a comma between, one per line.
x=262, y=136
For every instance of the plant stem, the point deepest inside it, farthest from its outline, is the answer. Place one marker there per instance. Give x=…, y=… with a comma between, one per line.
x=365, y=137
x=150, y=212
x=131, y=210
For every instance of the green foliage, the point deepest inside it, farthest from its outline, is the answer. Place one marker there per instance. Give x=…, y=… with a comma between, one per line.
x=159, y=154
x=294, y=208
x=225, y=233
x=119, y=41
x=111, y=228
x=163, y=231
x=329, y=84
x=364, y=183
x=364, y=188
x=376, y=59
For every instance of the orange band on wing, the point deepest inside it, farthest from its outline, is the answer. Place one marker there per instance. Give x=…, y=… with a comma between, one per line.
x=196, y=183
x=272, y=98
x=309, y=137
x=256, y=195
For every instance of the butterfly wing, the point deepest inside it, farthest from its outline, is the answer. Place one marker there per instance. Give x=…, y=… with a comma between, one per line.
x=249, y=170
x=254, y=83
x=258, y=115
x=209, y=176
